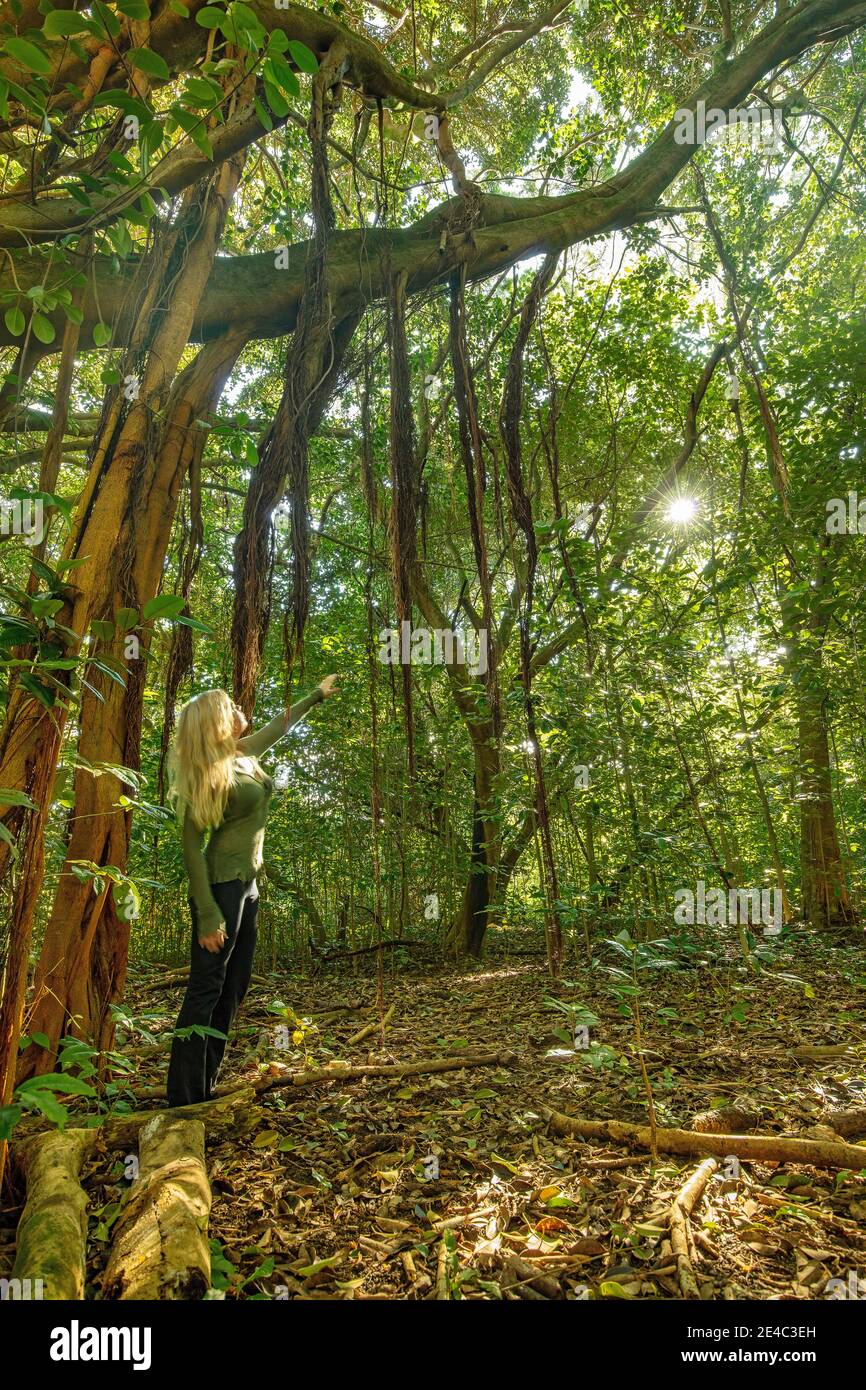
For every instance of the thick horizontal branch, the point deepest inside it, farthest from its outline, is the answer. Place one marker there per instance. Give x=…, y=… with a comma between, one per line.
x=253, y=291
x=638, y=187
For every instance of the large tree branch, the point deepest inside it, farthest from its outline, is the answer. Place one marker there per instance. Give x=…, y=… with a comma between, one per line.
x=507, y=229
x=617, y=202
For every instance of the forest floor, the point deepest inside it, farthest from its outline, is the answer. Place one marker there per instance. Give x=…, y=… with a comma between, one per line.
x=450, y=1185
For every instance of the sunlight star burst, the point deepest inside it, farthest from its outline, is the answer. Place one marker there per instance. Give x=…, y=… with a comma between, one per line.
x=682, y=510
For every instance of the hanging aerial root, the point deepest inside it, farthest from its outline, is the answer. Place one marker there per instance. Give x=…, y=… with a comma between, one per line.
x=160, y=1246
x=756, y=1148
x=315, y=359
x=469, y=434
x=405, y=481
x=52, y=1231
x=682, y=1244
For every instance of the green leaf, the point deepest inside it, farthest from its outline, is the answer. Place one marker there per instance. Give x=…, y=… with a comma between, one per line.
x=210, y=17
x=109, y=21
x=262, y=114
x=25, y=53
x=43, y=328
x=49, y=1105
x=200, y=92
x=147, y=61
x=303, y=56
x=101, y=334
x=14, y=320
x=126, y=618
x=134, y=9
x=10, y=797
x=9, y=1117
x=194, y=129
x=55, y=1081
x=194, y=623
x=43, y=693
x=277, y=69
x=107, y=671
x=275, y=99
x=61, y=23
x=164, y=606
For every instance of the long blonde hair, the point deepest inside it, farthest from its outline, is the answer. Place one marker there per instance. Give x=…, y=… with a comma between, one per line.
x=203, y=758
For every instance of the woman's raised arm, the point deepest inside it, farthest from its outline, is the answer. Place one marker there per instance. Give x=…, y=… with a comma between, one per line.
x=257, y=744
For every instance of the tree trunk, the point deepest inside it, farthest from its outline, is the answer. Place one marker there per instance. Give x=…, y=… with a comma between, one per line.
x=825, y=892
x=480, y=898
x=122, y=531
x=822, y=875
x=82, y=966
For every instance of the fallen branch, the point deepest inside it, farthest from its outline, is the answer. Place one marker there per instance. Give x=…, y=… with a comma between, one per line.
x=159, y=1247
x=396, y=1069
x=760, y=1148
x=831, y=1050
x=372, y=1028
x=681, y=1210
x=442, y=1293
x=365, y=950
x=52, y=1232
x=323, y=1020
x=181, y=977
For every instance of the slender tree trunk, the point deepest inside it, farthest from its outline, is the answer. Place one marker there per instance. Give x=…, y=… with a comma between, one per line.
x=822, y=875
x=480, y=898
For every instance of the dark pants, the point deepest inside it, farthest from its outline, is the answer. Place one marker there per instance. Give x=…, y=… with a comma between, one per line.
x=217, y=983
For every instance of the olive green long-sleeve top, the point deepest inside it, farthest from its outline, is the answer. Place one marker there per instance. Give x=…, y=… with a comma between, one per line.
x=235, y=846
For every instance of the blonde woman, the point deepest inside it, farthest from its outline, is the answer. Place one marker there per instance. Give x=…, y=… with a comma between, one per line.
x=218, y=785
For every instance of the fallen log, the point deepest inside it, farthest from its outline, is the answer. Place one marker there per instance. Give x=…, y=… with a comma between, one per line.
x=52, y=1232
x=396, y=1069
x=159, y=1248
x=680, y=1228
x=228, y=1113
x=759, y=1148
